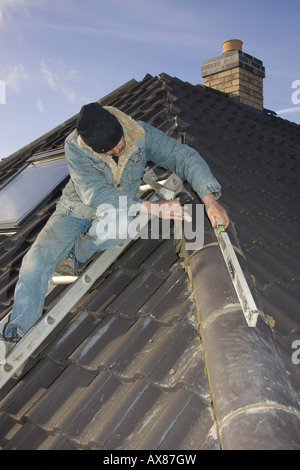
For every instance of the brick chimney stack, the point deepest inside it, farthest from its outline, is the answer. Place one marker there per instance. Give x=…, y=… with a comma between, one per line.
x=236, y=73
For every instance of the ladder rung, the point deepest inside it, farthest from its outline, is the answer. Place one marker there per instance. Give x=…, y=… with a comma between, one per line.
x=63, y=279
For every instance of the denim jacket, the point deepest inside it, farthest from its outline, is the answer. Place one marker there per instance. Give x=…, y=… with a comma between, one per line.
x=94, y=180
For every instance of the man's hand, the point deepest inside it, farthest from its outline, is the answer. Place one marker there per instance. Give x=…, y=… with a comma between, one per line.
x=165, y=209
x=173, y=210
x=214, y=209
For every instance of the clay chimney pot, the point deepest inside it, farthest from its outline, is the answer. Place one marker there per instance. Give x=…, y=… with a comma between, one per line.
x=232, y=45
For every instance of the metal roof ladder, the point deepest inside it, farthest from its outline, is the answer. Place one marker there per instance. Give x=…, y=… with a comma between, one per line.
x=79, y=286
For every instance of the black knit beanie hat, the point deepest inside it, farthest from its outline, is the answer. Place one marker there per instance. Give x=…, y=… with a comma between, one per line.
x=99, y=128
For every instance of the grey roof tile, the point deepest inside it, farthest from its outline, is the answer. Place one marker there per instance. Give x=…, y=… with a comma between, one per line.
x=182, y=424
x=55, y=404
x=27, y=392
x=8, y=428
x=136, y=254
x=7, y=285
x=178, y=361
x=276, y=264
x=92, y=408
x=164, y=306
x=167, y=356
x=96, y=351
x=104, y=293
x=278, y=299
x=30, y=437
x=133, y=297
x=69, y=337
x=124, y=425
x=162, y=259
x=25, y=437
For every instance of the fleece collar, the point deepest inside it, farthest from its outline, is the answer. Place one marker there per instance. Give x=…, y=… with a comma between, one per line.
x=132, y=133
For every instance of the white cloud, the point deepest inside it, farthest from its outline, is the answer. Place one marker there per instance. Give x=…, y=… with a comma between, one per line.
x=40, y=105
x=288, y=110
x=58, y=79
x=14, y=77
x=143, y=34
x=9, y=7
x=142, y=21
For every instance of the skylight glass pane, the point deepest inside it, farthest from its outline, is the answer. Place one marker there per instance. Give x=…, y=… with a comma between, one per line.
x=24, y=192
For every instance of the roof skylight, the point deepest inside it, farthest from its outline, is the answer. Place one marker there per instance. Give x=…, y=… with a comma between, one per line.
x=29, y=188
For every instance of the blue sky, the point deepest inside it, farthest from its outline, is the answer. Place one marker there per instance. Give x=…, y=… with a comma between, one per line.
x=57, y=55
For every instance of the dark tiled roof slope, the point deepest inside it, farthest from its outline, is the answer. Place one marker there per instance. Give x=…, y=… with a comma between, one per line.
x=255, y=156
x=123, y=368
x=256, y=159
x=127, y=368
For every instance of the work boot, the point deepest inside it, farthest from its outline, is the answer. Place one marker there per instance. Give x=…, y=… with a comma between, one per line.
x=5, y=348
x=7, y=344
x=69, y=265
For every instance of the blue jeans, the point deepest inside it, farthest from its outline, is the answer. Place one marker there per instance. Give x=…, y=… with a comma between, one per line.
x=61, y=233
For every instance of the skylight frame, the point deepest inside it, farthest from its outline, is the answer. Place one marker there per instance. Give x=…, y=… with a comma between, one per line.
x=36, y=198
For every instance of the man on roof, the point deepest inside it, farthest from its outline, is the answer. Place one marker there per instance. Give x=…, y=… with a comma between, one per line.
x=107, y=155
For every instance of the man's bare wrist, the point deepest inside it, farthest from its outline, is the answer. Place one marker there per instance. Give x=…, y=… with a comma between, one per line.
x=209, y=198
